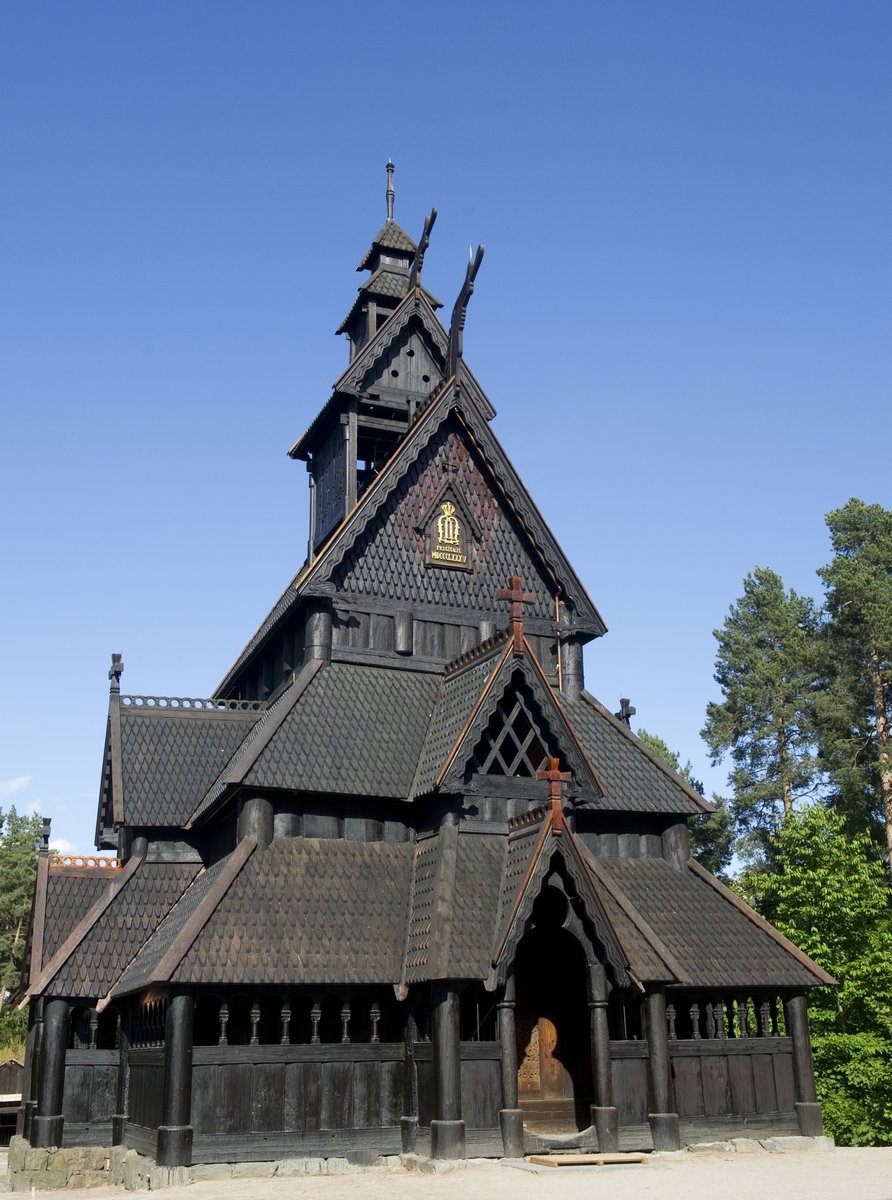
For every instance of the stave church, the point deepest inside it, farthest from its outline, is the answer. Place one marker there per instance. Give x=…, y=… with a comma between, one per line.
x=402, y=884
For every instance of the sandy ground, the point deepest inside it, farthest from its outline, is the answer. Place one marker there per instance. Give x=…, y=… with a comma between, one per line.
x=860, y=1174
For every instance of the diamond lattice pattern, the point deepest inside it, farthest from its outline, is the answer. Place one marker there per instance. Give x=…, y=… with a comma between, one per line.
x=513, y=742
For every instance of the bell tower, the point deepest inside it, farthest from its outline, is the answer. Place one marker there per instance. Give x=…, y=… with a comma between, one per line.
x=375, y=401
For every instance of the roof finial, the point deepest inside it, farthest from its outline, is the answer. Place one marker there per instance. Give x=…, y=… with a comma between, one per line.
x=389, y=189
x=459, y=312
x=117, y=670
x=418, y=262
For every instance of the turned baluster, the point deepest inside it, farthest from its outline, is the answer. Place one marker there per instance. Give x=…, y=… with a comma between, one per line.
x=670, y=1018
x=719, y=1014
x=765, y=1018
x=94, y=1026
x=695, y=1020
x=223, y=1040
x=375, y=1016
x=742, y=1017
x=286, y=1021
x=255, y=1020
x=315, y=1018
x=345, y=1022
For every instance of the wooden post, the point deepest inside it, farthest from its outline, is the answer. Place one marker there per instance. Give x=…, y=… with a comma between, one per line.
x=33, y=1048
x=255, y=819
x=808, y=1111
x=122, y=1093
x=447, y=1129
x=510, y=1116
x=175, y=1130
x=663, y=1122
x=604, y=1116
x=47, y=1124
x=409, y=1119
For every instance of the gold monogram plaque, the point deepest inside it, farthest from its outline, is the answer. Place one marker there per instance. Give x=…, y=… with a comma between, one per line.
x=446, y=539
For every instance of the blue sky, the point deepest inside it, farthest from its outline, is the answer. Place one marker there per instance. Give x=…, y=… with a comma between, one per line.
x=682, y=319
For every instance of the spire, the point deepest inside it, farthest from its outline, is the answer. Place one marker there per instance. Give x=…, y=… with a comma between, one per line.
x=390, y=189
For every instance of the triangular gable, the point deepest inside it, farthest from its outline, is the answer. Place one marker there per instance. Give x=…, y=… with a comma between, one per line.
x=499, y=716
x=538, y=843
x=454, y=412
x=413, y=315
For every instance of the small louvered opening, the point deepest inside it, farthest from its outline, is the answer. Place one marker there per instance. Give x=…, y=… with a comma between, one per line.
x=512, y=743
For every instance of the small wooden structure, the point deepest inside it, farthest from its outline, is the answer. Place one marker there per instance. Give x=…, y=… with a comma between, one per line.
x=402, y=883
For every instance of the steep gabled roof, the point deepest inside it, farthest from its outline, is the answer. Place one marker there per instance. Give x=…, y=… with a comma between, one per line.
x=472, y=689
x=304, y=910
x=455, y=402
x=389, y=237
x=634, y=778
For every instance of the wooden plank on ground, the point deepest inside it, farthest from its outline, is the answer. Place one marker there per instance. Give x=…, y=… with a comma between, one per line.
x=585, y=1160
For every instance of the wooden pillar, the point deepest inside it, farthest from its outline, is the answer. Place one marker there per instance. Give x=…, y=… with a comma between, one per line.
x=448, y=1128
x=808, y=1110
x=604, y=1116
x=663, y=1121
x=255, y=819
x=175, y=1130
x=122, y=1092
x=33, y=1047
x=409, y=1119
x=46, y=1126
x=317, y=641
x=510, y=1116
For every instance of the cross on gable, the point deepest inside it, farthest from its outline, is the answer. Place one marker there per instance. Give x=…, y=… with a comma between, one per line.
x=555, y=778
x=518, y=598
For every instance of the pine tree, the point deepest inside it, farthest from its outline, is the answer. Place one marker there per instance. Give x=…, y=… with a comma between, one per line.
x=19, y=842
x=712, y=834
x=858, y=644
x=768, y=669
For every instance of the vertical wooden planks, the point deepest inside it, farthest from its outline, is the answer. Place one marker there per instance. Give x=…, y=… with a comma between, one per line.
x=267, y=1097
x=303, y=1082
x=234, y=1098
x=104, y=1093
x=783, y=1082
x=630, y=1090
x=337, y=1095
x=366, y=1095
x=481, y=1093
x=204, y=1099
x=740, y=1074
x=76, y=1097
x=763, y=1083
x=688, y=1086
x=391, y=1093
x=716, y=1085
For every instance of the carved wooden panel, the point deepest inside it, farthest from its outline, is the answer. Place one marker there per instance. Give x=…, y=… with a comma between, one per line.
x=330, y=474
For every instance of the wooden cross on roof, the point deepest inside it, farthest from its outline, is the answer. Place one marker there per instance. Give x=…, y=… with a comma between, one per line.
x=555, y=778
x=518, y=598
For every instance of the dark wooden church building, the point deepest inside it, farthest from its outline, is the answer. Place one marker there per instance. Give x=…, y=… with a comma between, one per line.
x=402, y=883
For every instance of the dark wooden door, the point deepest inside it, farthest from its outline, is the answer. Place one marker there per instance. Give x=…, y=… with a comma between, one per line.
x=552, y=1023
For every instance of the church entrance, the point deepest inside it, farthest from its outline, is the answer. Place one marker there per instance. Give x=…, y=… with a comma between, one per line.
x=552, y=1023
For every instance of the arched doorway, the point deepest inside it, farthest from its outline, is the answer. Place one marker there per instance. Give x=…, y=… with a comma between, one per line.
x=552, y=1023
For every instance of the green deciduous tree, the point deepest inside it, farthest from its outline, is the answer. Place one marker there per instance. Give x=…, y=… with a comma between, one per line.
x=830, y=895
x=858, y=647
x=712, y=834
x=768, y=668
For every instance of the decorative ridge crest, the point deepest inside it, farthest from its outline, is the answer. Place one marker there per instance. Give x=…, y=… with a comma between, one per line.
x=90, y=862
x=469, y=657
x=534, y=817
x=189, y=703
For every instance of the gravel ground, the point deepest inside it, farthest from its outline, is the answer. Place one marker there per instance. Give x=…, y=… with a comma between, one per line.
x=834, y=1175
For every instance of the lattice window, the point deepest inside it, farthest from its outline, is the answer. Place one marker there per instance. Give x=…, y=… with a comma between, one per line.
x=513, y=743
